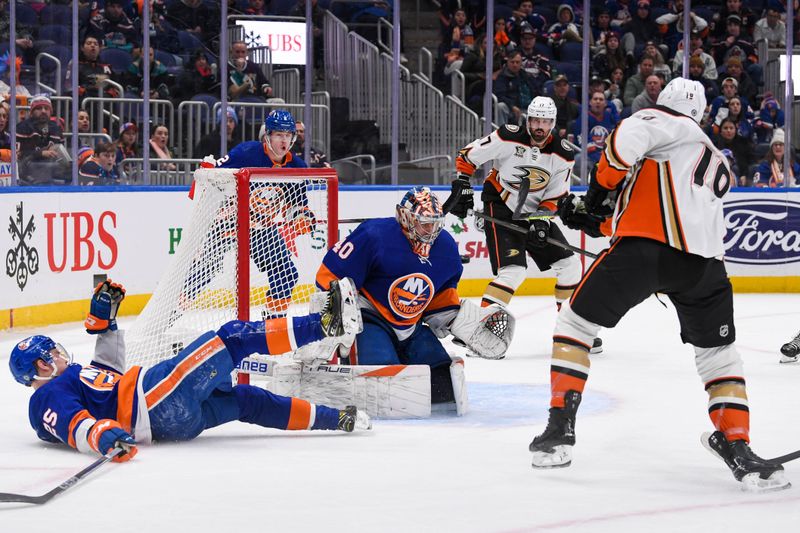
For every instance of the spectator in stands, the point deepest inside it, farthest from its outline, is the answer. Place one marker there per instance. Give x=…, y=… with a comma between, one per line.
x=566, y=107
x=641, y=28
x=696, y=47
x=614, y=91
x=198, y=78
x=127, y=142
x=210, y=143
x=514, y=89
x=732, y=7
x=257, y=7
x=5, y=137
x=459, y=34
x=770, y=171
x=771, y=28
x=635, y=84
x=474, y=70
x=620, y=11
x=161, y=81
x=159, y=140
x=84, y=129
x=671, y=25
x=502, y=42
x=26, y=47
x=163, y=35
x=533, y=63
x=602, y=121
x=609, y=57
x=739, y=146
x=316, y=158
x=91, y=72
x=246, y=78
x=524, y=14
x=564, y=30
x=660, y=67
x=42, y=157
x=101, y=167
x=114, y=28
x=745, y=85
x=601, y=30
x=735, y=46
x=741, y=117
x=770, y=118
x=196, y=17
x=696, y=73
x=648, y=98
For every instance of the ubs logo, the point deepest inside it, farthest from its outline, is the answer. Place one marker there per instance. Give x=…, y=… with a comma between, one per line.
x=762, y=231
x=409, y=296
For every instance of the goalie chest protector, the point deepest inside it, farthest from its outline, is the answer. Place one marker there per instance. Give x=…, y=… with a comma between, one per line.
x=399, y=284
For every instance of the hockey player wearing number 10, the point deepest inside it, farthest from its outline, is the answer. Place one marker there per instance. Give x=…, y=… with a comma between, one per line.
x=668, y=232
x=535, y=162
x=268, y=202
x=406, y=271
x=99, y=407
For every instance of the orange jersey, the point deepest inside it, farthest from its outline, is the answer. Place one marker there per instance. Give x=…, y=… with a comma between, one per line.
x=673, y=179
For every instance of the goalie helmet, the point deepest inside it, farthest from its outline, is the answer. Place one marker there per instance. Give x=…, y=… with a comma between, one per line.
x=25, y=354
x=687, y=97
x=279, y=120
x=421, y=218
x=542, y=107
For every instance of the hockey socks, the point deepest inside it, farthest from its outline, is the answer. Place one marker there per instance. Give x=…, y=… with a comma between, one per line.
x=569, y=369
x=261, y=407
x=728, y=409
x=271, y=337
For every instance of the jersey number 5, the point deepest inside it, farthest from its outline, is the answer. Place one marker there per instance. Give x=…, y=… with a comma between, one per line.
x=721, y=180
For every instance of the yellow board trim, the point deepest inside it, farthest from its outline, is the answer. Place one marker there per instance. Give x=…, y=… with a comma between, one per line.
x=75, y=311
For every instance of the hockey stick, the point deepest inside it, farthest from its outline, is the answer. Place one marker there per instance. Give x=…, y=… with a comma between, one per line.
x=520, y=229
x=786, y=458
x=6, y=497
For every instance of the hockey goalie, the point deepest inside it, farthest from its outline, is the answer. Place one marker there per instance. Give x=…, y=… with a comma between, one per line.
x=405, y=271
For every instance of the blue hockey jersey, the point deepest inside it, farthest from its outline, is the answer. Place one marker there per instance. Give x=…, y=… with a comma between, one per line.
x=392, y=280
x=253, y=154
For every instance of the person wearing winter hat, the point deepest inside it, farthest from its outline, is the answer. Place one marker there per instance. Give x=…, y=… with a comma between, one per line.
x=41, y=145
x=770, y=172
x=210, y=143
x=770, y=117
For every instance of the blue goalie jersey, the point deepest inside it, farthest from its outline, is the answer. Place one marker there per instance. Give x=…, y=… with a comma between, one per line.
x=393, y=282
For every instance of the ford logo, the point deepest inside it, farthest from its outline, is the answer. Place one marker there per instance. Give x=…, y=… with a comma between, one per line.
x=762, y=231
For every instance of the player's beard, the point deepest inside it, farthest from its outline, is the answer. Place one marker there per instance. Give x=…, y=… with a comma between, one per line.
x=539, y=135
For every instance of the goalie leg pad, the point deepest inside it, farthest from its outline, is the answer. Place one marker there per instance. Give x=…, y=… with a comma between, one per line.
x=486, y=331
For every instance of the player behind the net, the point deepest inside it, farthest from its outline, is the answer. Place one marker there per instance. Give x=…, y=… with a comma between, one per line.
x=668, y=231
x=406, y=271
x=279, y=212
x=100, y=407
x=533, y=159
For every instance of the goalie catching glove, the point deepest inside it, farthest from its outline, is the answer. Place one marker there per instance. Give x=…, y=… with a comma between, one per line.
x=486, y=331
x=102, y=315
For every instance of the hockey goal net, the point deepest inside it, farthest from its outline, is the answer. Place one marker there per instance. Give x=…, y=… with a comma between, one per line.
x=252, y=248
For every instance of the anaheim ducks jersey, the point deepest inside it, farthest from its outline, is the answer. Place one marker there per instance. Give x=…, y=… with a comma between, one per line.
x=515, y=159
x=674, y=181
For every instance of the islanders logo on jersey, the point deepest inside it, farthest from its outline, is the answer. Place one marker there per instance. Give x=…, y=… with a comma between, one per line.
x=266, y=202
x=410, y=295
x=539, y=177
x=98, y=378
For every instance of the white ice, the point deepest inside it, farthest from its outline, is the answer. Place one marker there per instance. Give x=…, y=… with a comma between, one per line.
x=638, y=464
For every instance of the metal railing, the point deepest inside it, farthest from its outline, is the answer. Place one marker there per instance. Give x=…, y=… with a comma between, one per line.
x=361, y=160
x=111, y=113
x=42, y=87
x=425, y=63
x=162, y=171
x=286, y=85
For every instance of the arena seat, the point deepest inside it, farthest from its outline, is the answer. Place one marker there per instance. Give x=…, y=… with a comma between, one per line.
x=119, y=59
x=26, y=15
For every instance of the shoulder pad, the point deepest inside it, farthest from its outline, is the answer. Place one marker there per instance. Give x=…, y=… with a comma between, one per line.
x=513, y=133
x=559, y=146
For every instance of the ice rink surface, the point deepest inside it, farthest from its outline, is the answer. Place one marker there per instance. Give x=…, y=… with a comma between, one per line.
x=638, y=464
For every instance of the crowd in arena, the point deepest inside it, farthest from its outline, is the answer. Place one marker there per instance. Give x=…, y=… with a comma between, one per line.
x=636, y=47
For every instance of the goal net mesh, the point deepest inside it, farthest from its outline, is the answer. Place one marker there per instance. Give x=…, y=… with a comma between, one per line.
x=288, y=217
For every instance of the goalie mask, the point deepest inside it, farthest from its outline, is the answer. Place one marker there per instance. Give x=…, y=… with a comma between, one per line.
x=25, y=354
x=421, y=218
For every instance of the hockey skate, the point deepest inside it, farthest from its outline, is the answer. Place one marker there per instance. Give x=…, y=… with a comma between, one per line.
x=597, y=346
x=790, y=352
x=754, y=473
x=553, y=448
x=350, y=418
x=341, y=314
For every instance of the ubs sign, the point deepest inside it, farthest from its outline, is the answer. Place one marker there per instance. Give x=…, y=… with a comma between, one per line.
x=762, y=231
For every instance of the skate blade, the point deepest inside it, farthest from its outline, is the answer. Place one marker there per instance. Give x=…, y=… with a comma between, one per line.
x=560, y=457
x=775, y=482
x=788, y=359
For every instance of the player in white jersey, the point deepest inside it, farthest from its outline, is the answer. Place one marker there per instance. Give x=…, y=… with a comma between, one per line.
x=533, y=161
x=667, y=234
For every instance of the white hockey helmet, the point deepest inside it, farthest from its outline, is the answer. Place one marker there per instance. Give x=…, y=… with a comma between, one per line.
x=542, y=107
x=687, y=97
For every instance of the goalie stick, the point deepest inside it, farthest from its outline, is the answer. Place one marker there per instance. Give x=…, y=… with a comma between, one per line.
x=6, y=497
x=520, y=229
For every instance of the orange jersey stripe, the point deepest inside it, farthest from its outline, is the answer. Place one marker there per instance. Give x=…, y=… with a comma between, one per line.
x=324, y=277
x=735, y=423
x=299, y=414
x=79, y=417
x=386, y=371
x=492, y=179
x=185, y=367
x=386, y=314
x=597, y=261
x=126, y=392
x=608, y=176
x=445, y=298
x=641, y=215
x=277, y=336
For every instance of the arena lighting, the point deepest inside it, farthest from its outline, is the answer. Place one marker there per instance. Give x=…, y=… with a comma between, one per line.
x=287, y=40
